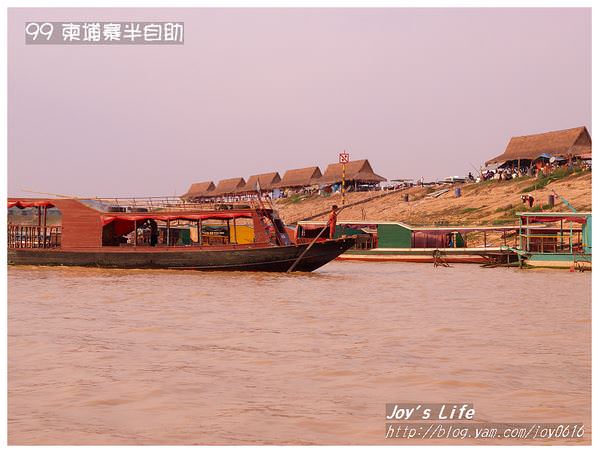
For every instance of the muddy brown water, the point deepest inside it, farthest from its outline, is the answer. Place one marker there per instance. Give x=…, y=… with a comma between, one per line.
x=180, y=357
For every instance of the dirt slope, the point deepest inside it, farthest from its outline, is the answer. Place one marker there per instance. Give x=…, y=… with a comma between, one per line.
x=487, y=203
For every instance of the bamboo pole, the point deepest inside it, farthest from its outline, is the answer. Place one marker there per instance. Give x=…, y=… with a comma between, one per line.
x=306, y=249
x=343, y=186
x=293, y=266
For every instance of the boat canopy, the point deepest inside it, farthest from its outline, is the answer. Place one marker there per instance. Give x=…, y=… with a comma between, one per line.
x=548, y=217
x=142, y=217
x=531, y=219
x=29, y=204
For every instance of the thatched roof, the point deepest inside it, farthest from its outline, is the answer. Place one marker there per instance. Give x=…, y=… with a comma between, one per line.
x=199, y=189
x=357, y=170
x=267, y=181
x=562, y=143
x=300, y=177
x=229, y=186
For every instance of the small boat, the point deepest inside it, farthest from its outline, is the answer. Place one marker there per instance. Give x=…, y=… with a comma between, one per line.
x=555, y=240
x=400, y=242
x=161, y=234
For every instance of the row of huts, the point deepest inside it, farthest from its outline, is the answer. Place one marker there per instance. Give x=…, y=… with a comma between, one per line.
x=359, y=176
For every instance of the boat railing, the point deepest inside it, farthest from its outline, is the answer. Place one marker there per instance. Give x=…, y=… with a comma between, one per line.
x=33, y=236
x=561, y=242
x=154, y=204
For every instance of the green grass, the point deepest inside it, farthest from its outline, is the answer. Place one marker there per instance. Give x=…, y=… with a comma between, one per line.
x=540, y=183
x=488, y=182
x=468, y=210
x=507, y=207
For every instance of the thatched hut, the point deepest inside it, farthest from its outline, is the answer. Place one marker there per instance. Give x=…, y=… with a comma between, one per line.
x=198, y=191
x=566, y=144
x=358, y=174
x=265, y=181
x=300, y=178
x=229, y=186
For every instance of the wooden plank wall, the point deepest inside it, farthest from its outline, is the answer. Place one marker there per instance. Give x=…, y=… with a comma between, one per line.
x=81, y=225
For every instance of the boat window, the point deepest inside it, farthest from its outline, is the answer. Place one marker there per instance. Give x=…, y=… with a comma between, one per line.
x=177, y=233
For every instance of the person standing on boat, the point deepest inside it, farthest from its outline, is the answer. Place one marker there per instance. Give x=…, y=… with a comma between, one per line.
x=153, y=233
x=332, y=223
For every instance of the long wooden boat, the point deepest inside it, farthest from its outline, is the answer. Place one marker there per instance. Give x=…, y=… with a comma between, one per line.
x=77, y=232
x=400, y=242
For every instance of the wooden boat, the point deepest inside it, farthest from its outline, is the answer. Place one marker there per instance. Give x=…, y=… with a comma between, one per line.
x=555, y=240
x=400, y=242
x=164, y=235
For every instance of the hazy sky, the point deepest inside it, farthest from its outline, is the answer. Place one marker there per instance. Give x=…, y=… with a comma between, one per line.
x=419, y=92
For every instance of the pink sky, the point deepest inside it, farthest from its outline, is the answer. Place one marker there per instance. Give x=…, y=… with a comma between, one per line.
x=419, y=92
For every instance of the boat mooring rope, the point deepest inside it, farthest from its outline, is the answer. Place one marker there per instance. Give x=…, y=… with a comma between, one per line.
x=439, y=260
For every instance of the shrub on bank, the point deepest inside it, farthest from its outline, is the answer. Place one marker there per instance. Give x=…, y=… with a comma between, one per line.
x=558, y=174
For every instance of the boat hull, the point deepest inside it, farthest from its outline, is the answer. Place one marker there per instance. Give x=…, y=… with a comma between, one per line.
x=264, y=259
x=426, y=255
x=558, y=261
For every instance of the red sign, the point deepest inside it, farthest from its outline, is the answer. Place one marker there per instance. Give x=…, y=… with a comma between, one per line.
x=343, y=158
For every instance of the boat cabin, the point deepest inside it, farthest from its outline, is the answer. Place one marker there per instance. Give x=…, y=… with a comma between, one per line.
x=99, y=223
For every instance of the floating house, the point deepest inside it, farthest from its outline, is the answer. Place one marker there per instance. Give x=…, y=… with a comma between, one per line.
x=359, y=175
x=397, y=241
x=563, y=144
x=555, y=239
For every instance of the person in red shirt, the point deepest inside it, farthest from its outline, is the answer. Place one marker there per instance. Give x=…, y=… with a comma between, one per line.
x=332, y=223
x=528, y=199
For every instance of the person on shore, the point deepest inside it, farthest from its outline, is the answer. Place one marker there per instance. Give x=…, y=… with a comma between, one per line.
x=332, y=222
x=528, y=199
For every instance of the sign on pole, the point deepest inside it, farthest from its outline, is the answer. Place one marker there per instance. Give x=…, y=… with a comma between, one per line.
x=343, y=159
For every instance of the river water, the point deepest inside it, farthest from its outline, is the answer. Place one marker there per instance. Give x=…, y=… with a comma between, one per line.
x=180, y=357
